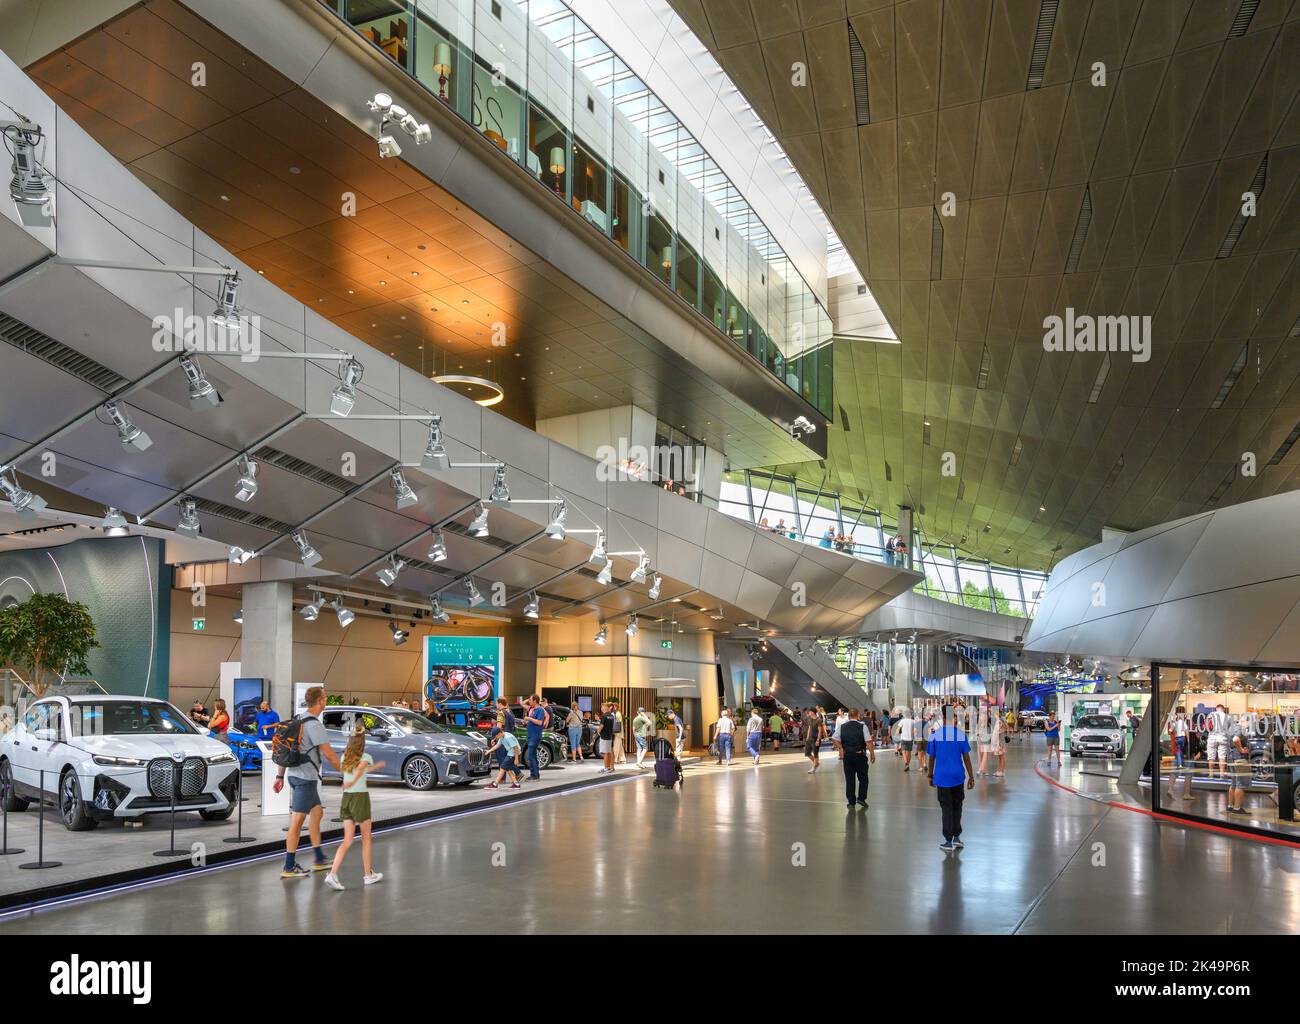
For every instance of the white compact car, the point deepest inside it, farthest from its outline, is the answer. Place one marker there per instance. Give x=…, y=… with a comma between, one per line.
x=1098, y=735
x=115, y=757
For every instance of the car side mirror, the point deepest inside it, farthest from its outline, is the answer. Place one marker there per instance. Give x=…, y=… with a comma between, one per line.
x=380, y=734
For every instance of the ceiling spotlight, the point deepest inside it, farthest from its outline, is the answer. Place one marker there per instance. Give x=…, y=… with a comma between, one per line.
x=479, y=527
x=346, y=615
x=437, y=614
x=389, y=573
x=399, y=635
x=227, y=312
x=603, y=635
x=247, y=485
x=475, y=598
x=555, y=528
x=239, y=616
x=309, y=555
x=402, y=493
x=388, y=147
x=417, y=130
x=500, y=492
x=344, y=396
x=114, y=523
x=632, y=627
x=28, y=185
x=188, y=523
x=598, y=555
x=238, y=556
x=642, y=566
x=532, y=607
x=802, y=426
x=311, y=610
x=435, y=452
x=381, y=103
x=606, y=573
x=203, y=394
x=25, y=503
x=128, y=433
x=656, y=586
x=438, y=549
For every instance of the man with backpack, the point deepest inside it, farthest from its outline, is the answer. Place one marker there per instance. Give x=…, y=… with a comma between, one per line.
x=297, y=749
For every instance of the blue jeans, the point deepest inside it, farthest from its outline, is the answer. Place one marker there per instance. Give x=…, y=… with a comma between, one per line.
x=530, y=755
x=575, y=740
x=724, y=747
x=889, y=557
x=1180, y=745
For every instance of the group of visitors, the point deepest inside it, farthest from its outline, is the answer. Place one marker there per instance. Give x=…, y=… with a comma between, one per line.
x=780, y=527
x=896, y=551
x=837, y=541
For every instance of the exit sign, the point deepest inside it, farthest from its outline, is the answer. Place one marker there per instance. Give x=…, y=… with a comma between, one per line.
x=665, y=643
x=564, y=657
x=200, y=624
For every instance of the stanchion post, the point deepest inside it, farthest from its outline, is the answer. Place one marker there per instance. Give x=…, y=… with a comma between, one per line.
x=40, y=862
x=171, y=850
x=5, y=792
x=239, y=836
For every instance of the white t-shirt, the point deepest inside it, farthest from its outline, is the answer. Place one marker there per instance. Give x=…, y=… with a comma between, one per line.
x=755, y=723
x=906, y=730
x=726, y=725
x=1180, y=725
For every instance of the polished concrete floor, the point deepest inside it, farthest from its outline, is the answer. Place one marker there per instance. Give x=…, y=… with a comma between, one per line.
x=739, y=850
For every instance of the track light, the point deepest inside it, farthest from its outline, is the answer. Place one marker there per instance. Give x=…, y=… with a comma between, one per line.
x=389, y=573
x=435, y=452
x=311, y=610
x=344, y=396
x=417, y=130
x=25, y=503
x=28, y=185
x=402, y=493
x=475, y=598
x=227, y=312
x=239, y=616
x=381, y=103
x=532, y=607
x=632, y=627
x=203, y=393
x=500, y=492
x=346, y=615
x=656, y=586
x=437, y=614
x=128, y=433
x=479, y=526
x=606, y=573
x=642, y=565
x=598, y=556
x=188, y=523
x=555, y=529
x=247, y=485
x=388, y=147
x=603, y=635
x=438, y=549
x=238, y=556
x=309, y=555
x=113, y=523
x=399, y=634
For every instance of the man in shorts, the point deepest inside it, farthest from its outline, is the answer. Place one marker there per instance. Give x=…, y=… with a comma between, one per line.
x=607, y=737
x=1238, y=765
x=905, y=731
x=304, y=786
x=1217, y=744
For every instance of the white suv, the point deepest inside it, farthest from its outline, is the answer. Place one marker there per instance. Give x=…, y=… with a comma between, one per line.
x=114, y=757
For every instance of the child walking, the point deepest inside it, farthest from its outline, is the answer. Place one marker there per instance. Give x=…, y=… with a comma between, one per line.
x=506, y=748
x=356, y=807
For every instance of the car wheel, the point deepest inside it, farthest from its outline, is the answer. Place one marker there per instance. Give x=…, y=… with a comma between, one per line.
x=544, y=756
x=420, y=773
x=217, y=815
x=12, y=803
x=72, y=809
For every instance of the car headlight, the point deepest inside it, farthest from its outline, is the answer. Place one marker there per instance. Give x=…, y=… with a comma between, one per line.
x=221, y=758
x=109, y=761
x=450, y=751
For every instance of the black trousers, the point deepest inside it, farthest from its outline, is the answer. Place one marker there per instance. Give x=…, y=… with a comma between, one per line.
x=950, y=799
x=856, y=768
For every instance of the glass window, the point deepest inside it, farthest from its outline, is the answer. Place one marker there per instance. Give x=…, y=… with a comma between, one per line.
x=386, y=24
x=773, y=502
x=974, y=578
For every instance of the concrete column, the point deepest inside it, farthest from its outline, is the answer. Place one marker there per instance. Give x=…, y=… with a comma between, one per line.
x=266, y=650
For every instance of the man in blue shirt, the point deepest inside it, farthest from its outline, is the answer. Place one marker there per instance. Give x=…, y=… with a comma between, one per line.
x=535, y=721
x=950, y=767
x=267, y=720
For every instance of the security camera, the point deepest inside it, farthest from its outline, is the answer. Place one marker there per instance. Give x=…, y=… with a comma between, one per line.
x=382, y=101
x=388, y=147
x=802, y=426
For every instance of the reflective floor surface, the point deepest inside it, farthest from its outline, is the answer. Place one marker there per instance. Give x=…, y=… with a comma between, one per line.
x=744, y=850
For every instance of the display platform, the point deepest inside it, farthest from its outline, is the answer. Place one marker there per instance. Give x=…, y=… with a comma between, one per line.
x=115, y=854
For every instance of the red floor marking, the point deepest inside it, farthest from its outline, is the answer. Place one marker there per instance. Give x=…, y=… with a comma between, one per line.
x=1169, y=817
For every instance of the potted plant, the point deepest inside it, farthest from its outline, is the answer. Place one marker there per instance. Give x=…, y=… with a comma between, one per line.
x=48, y=636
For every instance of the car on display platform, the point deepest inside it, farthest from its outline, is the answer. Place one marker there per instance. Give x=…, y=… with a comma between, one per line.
x=244, y=745
x=1032, y=720
x=415, y=750
x=553, y=747
x=1097, y=735
x=102, y=757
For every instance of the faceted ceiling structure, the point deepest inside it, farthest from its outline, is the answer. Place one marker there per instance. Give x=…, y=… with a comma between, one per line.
x=990, y=163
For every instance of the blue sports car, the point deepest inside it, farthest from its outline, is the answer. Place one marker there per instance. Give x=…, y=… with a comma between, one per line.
x=244, y=747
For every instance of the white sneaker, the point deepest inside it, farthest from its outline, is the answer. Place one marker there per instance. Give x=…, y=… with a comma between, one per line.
x=371, y=879
x=811, y=770
x=333, y=882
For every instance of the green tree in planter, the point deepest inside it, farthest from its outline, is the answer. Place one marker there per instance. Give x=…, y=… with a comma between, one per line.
x=48, y=636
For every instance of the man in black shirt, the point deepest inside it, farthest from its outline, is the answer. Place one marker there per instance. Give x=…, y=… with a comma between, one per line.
x=607, y=722
x=854, y=742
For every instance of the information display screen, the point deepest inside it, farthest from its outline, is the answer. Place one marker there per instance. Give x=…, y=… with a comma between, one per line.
x=462, y=672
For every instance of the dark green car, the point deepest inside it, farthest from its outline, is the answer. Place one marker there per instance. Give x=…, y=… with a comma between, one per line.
x=552, y=748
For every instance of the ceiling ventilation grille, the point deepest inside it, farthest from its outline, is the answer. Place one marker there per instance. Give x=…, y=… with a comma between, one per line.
x=858, y=67
x=1016, y=450
x=1115, y=471
x=961, y=489
x=1242, y=21
x=982, y=379
x=1100, y=382
x=936, y=245
x=1230, y=380
x=299, y=467
x=1042, y=43
x=1285, y=446
x=1222, y=489
x=1080, y=233
x=1238, y=224
x=35, y=343
x=239, y=515
x=889, y=473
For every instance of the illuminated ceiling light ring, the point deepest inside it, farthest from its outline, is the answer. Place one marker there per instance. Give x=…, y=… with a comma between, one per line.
x=478, y=389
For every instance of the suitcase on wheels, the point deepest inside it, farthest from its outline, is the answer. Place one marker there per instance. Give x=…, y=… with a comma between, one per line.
x=662, y=748
x=668, y=773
